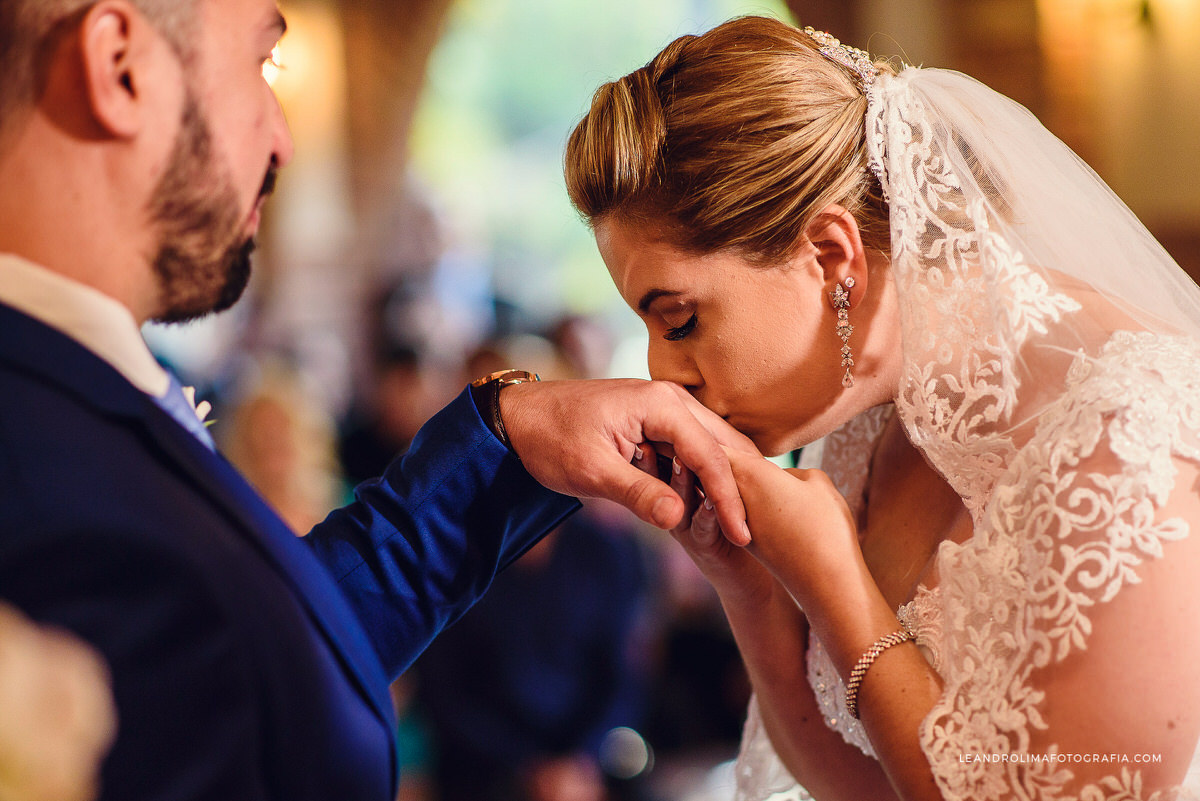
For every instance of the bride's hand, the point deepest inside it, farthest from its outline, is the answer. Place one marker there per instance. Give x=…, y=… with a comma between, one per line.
x=800, y=525
x=736, y=575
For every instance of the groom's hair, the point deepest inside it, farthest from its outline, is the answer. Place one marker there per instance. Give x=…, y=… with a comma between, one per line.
x=31, y=29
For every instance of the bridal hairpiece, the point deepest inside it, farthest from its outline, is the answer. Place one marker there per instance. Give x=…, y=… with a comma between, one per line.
x=863, y=66
x=857, y=60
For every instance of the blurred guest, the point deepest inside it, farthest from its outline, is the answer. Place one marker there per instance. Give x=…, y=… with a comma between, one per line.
x=283, y=443
x=520, y=694
x=404, y=394
x=412, y=742
x=585, y=345
x=699, y=696
x=58, y=718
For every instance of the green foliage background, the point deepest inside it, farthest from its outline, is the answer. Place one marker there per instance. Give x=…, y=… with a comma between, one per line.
x=508, y=82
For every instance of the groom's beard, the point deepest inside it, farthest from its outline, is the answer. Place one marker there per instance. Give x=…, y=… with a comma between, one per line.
x=203, y=259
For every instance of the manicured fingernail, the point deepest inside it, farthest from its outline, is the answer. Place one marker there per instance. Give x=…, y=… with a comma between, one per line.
x=708, y=504
x=637, y=453
x=676, y=466
x=746, y=530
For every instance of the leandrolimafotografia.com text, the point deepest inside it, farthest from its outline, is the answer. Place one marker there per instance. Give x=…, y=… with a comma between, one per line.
x=1091, y=759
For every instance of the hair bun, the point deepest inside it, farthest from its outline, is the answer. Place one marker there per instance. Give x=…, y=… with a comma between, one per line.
x=737, y=138
x=619, y=143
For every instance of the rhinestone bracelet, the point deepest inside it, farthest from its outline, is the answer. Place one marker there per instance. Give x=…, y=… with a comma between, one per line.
x=866, y=660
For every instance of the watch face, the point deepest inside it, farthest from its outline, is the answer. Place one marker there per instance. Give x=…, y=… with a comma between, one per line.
x=479, y=382
x=506, y=377
x=517, y=377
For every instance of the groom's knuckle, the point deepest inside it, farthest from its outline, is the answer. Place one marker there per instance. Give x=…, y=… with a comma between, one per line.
x=635, y=494
x=659, y=393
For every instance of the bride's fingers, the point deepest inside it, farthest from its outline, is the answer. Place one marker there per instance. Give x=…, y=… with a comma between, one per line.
x=645, y=458
x=684, y=484
x=706, y=531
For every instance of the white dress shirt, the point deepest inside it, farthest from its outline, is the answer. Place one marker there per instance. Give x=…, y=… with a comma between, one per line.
x=94, y=320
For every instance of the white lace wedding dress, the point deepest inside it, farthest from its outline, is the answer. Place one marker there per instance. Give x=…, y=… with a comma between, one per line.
x=982, y=713
x=1052, y=374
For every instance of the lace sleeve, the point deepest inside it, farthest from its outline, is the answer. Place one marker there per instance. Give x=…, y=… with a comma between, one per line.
x=1070, y=637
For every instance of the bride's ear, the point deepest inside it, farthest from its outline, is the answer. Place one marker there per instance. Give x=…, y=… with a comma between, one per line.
x=840, y=255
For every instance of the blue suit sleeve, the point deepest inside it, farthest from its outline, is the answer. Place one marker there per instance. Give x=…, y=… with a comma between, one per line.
x=422, y=543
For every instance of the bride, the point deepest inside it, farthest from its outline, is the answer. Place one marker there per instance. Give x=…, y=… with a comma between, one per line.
x=990, y=590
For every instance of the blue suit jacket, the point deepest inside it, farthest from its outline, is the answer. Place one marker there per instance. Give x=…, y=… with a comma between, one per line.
x=247, y=663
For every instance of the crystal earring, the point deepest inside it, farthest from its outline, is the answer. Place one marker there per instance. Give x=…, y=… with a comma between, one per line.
x=841, y=302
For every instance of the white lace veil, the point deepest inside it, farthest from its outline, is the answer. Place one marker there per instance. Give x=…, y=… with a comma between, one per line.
x=1003, y=244
x=1051, y=373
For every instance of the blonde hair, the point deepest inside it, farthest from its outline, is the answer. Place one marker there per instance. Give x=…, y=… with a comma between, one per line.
x=284, y=443
x=734, y=139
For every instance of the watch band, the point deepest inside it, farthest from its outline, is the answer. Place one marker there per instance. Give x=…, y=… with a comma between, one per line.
x=486, y=393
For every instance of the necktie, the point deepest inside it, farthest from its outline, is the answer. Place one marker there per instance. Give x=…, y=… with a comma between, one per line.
x=175, y=403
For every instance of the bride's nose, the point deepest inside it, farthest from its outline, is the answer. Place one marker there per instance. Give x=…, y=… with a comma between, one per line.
x=669, y=362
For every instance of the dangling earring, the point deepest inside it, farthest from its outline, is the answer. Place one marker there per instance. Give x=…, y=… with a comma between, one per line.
x=841, y=302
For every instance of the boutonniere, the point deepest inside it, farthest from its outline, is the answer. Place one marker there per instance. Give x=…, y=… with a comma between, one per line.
x=201, y=409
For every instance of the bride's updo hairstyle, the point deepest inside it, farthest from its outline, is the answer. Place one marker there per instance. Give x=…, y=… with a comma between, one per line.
x=732, y=140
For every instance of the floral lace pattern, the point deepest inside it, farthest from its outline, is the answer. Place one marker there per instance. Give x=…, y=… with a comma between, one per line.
x=961, y=380
x=1063, y=484
x=846, y=456
x=1054, y=541
x=1060, y=431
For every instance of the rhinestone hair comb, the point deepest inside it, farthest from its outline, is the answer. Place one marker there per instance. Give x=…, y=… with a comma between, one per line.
x=852, y=57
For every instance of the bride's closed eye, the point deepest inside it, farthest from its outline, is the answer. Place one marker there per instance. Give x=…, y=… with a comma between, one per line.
x=679, y=332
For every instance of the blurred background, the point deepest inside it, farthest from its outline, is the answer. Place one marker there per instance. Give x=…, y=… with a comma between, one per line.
x=423, y=237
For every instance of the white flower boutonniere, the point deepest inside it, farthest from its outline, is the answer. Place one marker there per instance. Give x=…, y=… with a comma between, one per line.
x=201, y=409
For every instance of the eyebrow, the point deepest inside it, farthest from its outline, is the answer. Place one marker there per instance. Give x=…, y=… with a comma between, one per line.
x=653, y=295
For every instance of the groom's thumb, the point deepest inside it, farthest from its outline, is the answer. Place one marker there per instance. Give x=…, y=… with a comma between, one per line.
x=647, y=497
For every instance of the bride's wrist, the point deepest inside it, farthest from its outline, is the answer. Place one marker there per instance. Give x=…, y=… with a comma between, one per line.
x=849, y=618
x=822, y=582
x=772, y=635
x=751, y=598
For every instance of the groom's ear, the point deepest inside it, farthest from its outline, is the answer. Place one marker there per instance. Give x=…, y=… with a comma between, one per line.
x=840, y=255
x=118, y=64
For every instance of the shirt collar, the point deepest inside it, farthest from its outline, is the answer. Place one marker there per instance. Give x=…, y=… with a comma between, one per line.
x=98, y=322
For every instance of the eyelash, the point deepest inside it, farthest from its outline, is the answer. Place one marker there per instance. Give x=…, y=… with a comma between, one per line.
x=676, y=334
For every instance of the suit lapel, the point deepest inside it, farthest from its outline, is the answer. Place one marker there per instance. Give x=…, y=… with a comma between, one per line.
x=311, y=583
x=37, y=349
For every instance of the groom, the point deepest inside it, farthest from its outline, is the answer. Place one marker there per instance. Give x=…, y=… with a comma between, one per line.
x=138, y=142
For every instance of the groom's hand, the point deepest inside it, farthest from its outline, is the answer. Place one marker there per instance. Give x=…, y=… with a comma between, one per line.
x=599, y=439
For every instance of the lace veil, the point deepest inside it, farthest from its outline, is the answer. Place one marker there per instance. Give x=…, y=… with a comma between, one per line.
x=1052, y=373
x=1012, y=257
